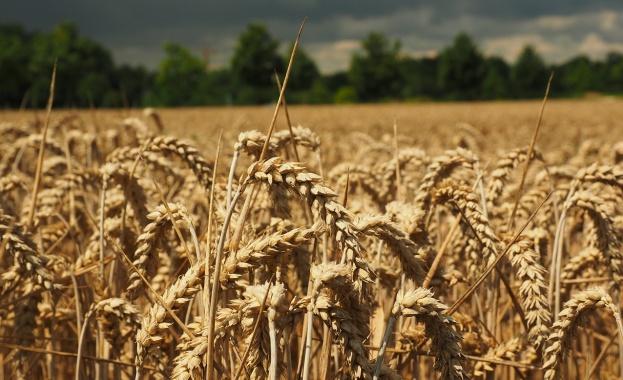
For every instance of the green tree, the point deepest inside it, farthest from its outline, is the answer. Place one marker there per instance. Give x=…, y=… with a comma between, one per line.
x=303, y=75
x=181, y=78
x=495, y=84
x=420, y=78
x=529, y=74
x=325, y=90
x=219, y=88
x=376, y=74
x=335, y=81
x=96, y=69
x=304, y=71
x=320, y=93
x=578, y=75
x=84, y=72
x=15, y=52
x=345, y=95
x=461, y=70
x=253, y=64
x=134, y=85
x=614, y=73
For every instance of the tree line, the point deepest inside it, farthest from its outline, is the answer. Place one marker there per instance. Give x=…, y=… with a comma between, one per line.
x=379, y=71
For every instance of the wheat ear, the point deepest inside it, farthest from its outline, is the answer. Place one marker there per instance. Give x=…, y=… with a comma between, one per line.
x=308, y=186
x=533, y=289
x=145, y=257
x=421, y=304
x=157, y=321
x=571, y=318
x=398, y=241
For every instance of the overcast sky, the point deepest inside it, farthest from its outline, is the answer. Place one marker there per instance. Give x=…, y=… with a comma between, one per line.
x=134, y=30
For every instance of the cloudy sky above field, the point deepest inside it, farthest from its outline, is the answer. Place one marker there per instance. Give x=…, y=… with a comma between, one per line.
x=135, y=30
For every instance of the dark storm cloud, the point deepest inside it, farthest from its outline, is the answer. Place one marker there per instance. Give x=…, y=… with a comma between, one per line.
x=135, y=30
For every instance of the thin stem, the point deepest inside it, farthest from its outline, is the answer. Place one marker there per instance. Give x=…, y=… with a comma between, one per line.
x=101, y=227
x=35, y=190
x=556, y=263
x=235, y=240
x=491, y=267
x=397, y=168
x=215, y=284
x=379, y=359
x=308, y=340
x=81, y=343
x=274, y=360
x=285, y=109
x=206, y=284
x=528, y=159
x=255, y=330
x=444, y=246
x=230, y=179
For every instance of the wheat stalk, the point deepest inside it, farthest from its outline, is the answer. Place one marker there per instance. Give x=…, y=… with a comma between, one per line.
x=156, y=322
x=533, y=288
x=421, y=304
x=398, y=241
x=308, y=186
x=571, y=318
x=145, y=257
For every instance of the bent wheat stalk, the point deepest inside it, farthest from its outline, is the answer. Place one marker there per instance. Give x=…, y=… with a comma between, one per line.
x=421, y=304
x=565, y=329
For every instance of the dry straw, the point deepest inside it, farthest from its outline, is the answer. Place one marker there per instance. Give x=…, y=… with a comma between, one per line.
x=570, y=319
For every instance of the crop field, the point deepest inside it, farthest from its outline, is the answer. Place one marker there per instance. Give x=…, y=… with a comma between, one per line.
x=412, y=241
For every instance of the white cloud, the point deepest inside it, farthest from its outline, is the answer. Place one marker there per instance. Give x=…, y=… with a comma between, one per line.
x=556, y=23
x=334, y=56
x=423, y=33
x=509, y=47
x=556, y=37
x=595, y=46
x=608, y=21
x=334, y=29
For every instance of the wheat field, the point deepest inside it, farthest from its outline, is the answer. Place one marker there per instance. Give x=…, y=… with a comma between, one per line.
x=411, y=241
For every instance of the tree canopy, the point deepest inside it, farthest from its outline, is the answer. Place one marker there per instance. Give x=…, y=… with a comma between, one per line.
x=376, y=74
x=378, y=71
x=254, y=63
x=181, y=78
x=529, y=74
x=86, y=73
x=461, y=70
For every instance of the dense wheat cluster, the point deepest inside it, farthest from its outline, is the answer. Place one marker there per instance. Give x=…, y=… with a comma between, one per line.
x=128, y=253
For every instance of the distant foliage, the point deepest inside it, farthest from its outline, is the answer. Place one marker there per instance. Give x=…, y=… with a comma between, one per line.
x=496, y=82
x=181, y=79
x=378, y=72
x=461, y=69
x=253, y=65
x=528, y=74
x=86, y=73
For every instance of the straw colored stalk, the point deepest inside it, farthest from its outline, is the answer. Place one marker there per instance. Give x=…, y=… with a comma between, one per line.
x=398, y=242
x=346, y=318
x=146, y=255
x=420, y=304
x=320, y=198
x=574, y=316
x=157, y=321
x=262, y=250
x=533, y=289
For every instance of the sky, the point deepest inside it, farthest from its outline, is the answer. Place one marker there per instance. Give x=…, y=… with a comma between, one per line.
x=135, y=30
